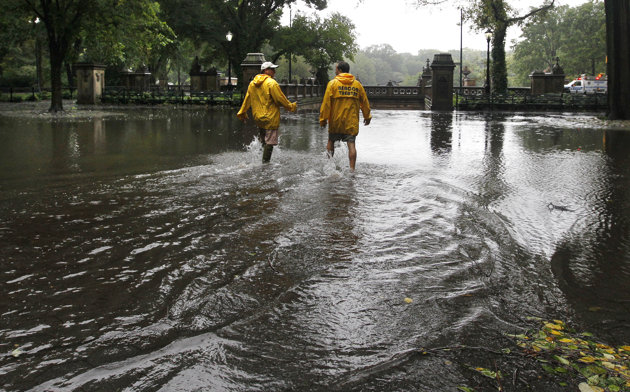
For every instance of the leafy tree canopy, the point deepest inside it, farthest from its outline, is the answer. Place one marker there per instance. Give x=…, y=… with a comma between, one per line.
x=319, y=42
x=576, y=35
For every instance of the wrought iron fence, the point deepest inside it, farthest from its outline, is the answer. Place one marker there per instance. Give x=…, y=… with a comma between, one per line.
x=18, y=94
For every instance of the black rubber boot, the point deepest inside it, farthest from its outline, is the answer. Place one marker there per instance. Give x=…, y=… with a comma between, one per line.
x=267, y=150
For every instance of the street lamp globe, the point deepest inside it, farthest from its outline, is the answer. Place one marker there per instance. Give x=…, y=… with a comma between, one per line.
x=229, y=36
x=488, y=35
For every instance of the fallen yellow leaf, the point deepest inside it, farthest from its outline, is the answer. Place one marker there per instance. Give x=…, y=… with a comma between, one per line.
x=554, y=332
x=553, y=326
x=408, y=300
x=625, y=348
x=565, y=340
x=587, y=359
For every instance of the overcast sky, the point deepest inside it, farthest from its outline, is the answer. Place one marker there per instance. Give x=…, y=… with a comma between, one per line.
x=409, y=29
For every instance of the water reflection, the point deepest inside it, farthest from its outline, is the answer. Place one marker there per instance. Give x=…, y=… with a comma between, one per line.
x=492, y=185
x=441, y=132
x=592, y=264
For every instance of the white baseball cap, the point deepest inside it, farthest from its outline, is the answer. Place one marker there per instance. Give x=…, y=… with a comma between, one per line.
x=267, y=64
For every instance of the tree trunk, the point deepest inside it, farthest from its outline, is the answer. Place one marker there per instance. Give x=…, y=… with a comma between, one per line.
x=618, y=49
x=56, y=68
x=322, y=76
x=69, y=74
x=499, y=67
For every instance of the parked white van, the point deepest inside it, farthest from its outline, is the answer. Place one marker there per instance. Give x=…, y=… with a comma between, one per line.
x=586, y=84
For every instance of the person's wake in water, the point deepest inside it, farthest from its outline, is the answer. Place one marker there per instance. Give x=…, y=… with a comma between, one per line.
x=265, y=97
x=343, y=98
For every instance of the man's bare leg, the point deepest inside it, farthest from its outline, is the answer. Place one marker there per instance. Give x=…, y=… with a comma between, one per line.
x=330, y=149
x=352, y=155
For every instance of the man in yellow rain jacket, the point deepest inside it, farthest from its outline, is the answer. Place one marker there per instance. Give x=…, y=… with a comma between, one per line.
x=340, y=109
x=264, y=96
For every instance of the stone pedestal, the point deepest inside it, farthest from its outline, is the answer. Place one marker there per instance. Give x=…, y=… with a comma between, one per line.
x=251, y=67
x=442, y=82
x=425, y=81
x=90, y=82
x=546, y=83
x=204, y=80
x=138, y=81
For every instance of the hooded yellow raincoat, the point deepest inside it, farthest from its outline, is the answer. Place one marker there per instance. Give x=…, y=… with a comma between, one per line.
x=340, y=107
x=264, y=96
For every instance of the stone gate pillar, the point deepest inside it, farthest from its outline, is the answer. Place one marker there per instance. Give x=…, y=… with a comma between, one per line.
x=90, y=82
x=537, y=86
x=425, y=80
x=251, y=67
x=442, y=82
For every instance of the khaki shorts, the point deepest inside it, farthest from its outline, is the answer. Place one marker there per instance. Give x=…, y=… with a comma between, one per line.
x=269, y=136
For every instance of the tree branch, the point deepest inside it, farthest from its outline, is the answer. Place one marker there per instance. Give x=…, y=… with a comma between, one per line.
x=532, y=12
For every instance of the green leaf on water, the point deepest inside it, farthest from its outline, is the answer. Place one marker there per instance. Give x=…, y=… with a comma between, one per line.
x=597, y=370
x=486, y=372
x=562, y=360
x=549, y=369
x=466, y=389
x=561, y=370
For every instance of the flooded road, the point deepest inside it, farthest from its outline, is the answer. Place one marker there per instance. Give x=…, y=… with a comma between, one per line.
x=150, y=250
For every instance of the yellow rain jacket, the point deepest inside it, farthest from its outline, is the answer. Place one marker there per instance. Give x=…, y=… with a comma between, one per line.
x=340, y=107
x=264, y=96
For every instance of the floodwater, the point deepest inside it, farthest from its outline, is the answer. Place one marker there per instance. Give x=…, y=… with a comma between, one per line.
x=150, y=250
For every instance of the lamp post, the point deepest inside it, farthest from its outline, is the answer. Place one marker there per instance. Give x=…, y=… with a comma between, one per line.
x=291, y=54
x=38, y=55
x=229, y=36
x=488, y=38
x=461, y=54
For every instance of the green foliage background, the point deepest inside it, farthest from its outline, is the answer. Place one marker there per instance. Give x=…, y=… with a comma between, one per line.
x=166, y=35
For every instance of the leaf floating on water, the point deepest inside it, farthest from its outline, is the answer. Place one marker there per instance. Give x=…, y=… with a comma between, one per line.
x=554, y=326
x=486, y=372
x=562, y=360
x=17, y=352
x=466, y=389
x=408, y=300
